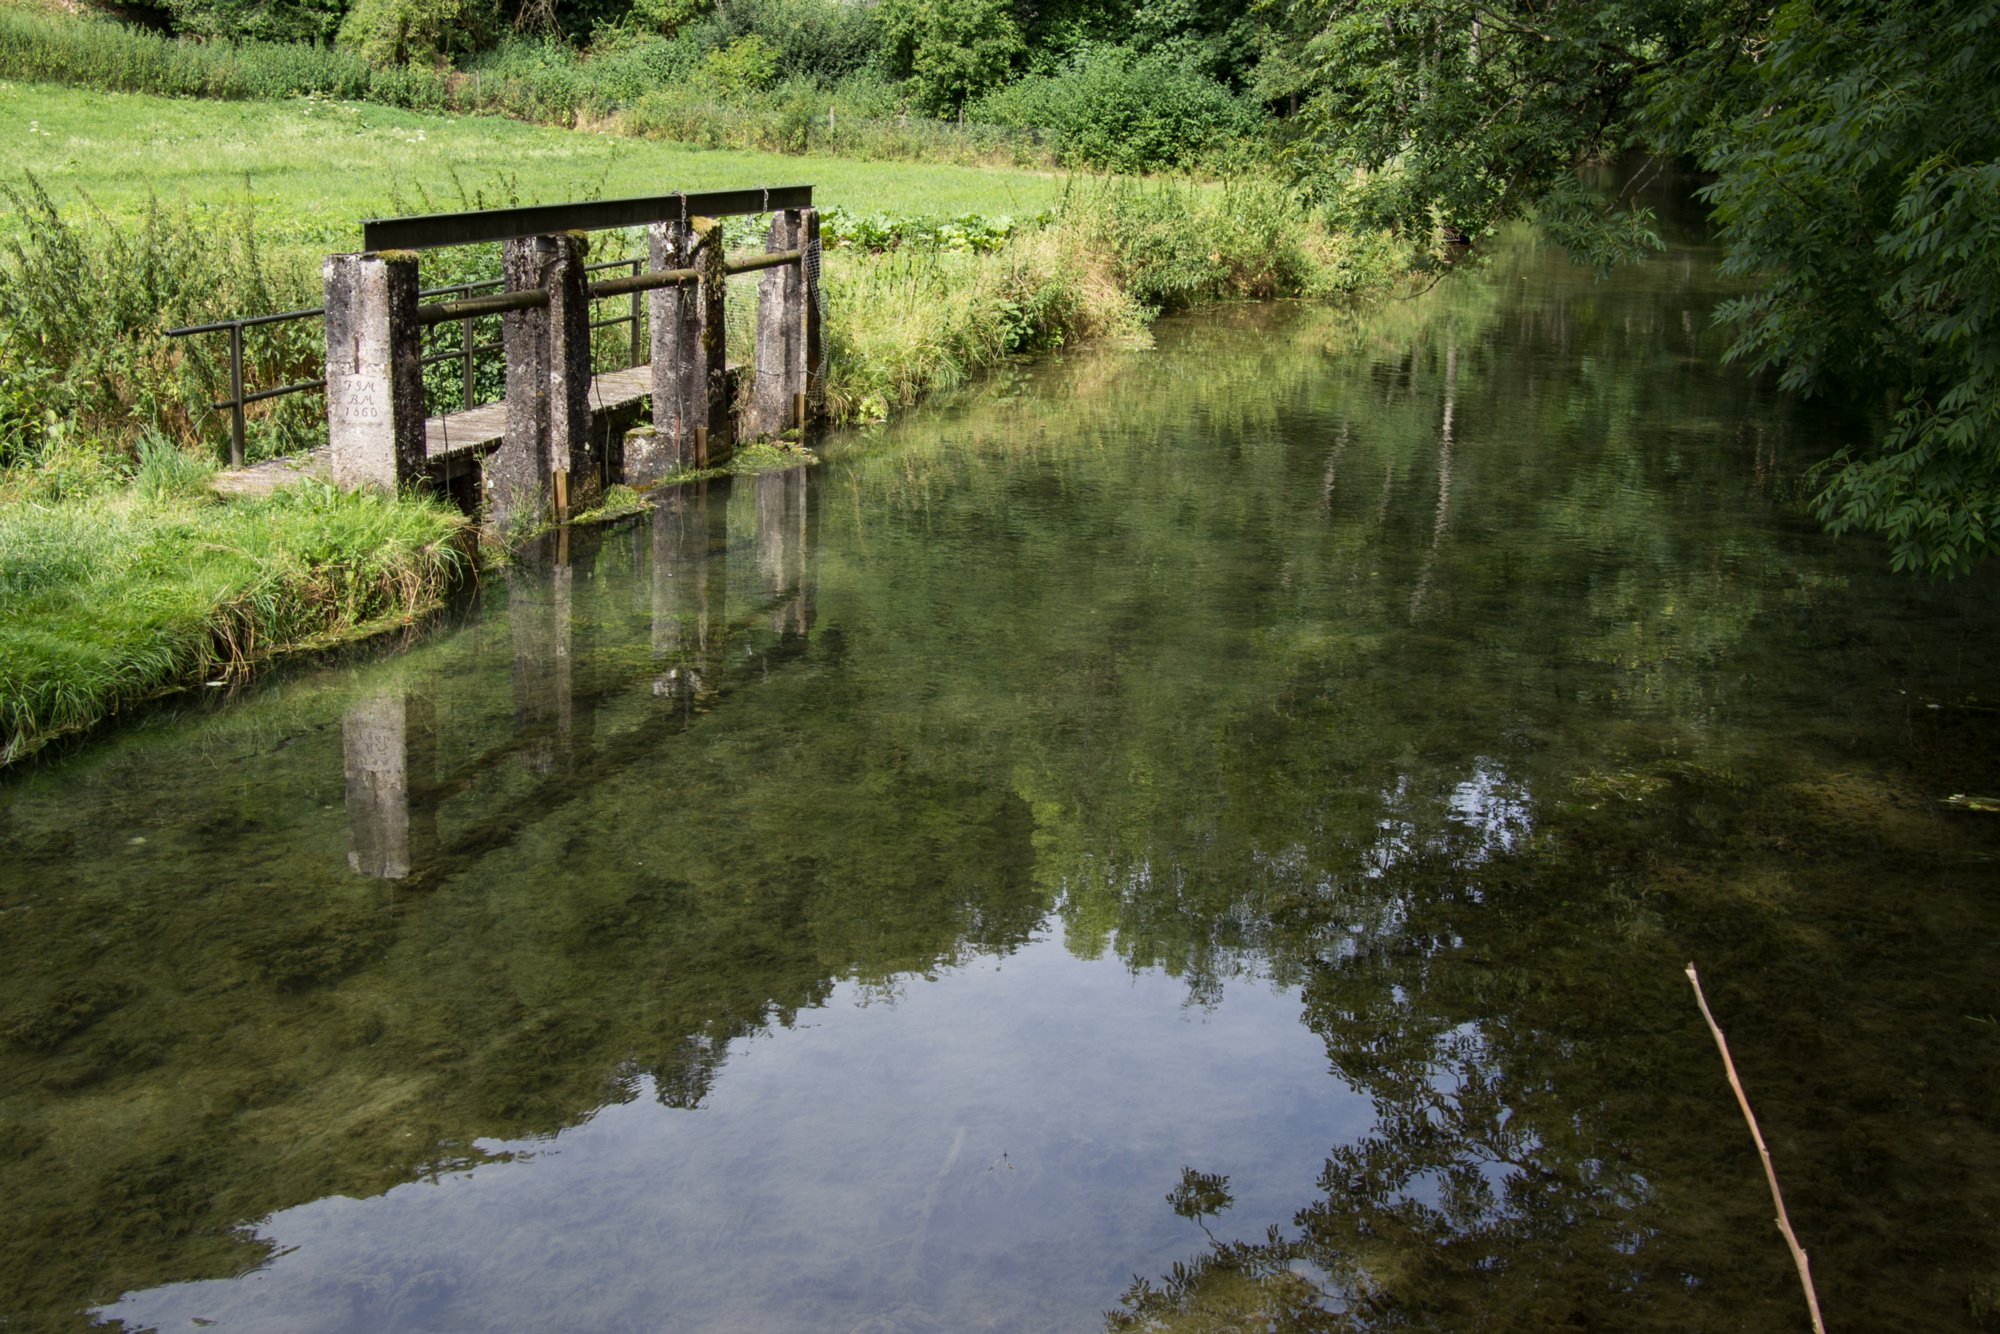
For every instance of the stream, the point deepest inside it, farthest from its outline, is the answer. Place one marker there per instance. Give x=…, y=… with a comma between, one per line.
x=1203, y=832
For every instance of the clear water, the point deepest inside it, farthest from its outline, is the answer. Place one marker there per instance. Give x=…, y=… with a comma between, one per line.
x=1304, y=750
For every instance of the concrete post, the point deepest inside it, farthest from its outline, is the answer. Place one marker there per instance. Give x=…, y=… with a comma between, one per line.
x=374, y=370
x=780, y=336
x=690, y=376
x=547, y=445
x=573, y=449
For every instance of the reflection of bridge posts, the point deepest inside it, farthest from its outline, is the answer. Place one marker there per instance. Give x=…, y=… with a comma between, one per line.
x=539, y=608
x=782, y=548
x=388, y=745
x=690, y=573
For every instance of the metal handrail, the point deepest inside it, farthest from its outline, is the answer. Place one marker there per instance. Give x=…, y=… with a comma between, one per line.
x=637, y=281
x=472, y=307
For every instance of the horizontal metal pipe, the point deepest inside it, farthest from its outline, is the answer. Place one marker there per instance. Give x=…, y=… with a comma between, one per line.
x=498, y=303
x=220, y=325
x=752, y=260
x=301, y=387
x=457, y=354
x=644, y=282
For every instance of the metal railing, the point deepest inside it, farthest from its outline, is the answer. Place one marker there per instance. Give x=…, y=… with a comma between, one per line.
x=466, y=354
x=469, y=308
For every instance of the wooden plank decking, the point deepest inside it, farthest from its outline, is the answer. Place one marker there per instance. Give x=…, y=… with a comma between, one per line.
x=614, y=396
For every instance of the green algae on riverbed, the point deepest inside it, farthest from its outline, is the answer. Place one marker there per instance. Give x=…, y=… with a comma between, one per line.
x=861, y=898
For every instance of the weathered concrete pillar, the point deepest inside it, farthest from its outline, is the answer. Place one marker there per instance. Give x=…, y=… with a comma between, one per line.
x=547, y=450
x=778, y=400
x=690, y=376
x=388, y=746
x=374, y=370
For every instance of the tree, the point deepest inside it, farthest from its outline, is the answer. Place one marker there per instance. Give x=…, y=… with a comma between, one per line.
x=952, y=50
x=1859, y=188
x=1852, y=143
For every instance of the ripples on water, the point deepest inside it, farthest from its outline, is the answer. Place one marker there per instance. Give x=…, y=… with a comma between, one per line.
x=1205, y=833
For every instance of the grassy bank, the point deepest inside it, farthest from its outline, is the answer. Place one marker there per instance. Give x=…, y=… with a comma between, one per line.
x=905, y=324
x=125, y=587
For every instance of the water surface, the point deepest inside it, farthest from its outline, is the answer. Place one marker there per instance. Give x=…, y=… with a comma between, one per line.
x=1205, y=833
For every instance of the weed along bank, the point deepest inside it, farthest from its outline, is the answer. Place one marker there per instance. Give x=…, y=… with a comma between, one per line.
x=562, y=432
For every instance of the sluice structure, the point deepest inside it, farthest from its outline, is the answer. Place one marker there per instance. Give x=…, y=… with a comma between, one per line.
x=562, y=434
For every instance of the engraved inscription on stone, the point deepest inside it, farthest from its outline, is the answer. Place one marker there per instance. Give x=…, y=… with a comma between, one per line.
x=357, y=403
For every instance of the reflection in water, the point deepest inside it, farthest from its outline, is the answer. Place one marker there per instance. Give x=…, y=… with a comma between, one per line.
x=690, y=588
x=388, y=743
x=1443, y=476
x=1233, y=812
x=540, y=605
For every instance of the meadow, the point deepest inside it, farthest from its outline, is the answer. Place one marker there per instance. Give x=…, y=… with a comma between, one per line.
x=312, y=170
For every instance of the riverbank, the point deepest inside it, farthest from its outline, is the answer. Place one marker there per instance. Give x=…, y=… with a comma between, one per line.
x=121, y=578
x=126, y=588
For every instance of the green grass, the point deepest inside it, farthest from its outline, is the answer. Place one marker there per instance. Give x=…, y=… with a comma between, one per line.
x=111, y=597
x=312, y=170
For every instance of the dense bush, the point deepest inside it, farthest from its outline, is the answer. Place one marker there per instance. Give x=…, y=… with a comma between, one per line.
x=1114, y=109
x=258, y=20
x=952, y=51
x=807, y=39
x=402, y=32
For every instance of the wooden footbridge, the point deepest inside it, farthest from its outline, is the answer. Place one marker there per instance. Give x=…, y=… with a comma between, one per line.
x=561, y=434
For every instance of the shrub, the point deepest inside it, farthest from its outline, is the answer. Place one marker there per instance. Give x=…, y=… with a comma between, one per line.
x=259, y=20
x=820, y=40
x=952, y=50
x=400, y=32
x=665, y=17
x=1116, y=110
x=747, y=65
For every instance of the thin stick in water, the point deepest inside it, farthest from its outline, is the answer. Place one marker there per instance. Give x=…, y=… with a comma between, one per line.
x=1770, y=1172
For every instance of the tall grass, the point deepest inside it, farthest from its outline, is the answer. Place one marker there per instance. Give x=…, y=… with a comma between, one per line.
x=112, y=598
x=84, y=306
x=111, y=56
x=904, y=324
